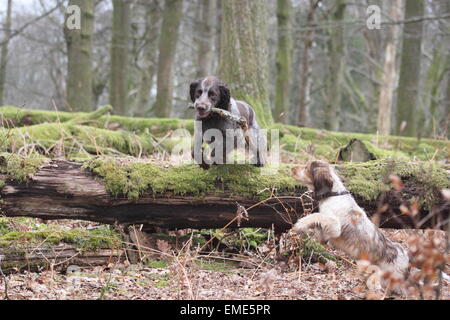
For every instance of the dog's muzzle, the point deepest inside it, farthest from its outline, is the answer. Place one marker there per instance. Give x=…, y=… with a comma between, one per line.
x=202, y=110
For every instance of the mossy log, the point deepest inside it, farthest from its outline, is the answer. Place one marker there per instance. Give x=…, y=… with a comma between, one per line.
x=18, y=117
x=57, y=257
x=355, y=151
x=69, y=139
x=115, y=191
x=304, y=142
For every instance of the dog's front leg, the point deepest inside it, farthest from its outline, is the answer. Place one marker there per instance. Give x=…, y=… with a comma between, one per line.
x=329, y=226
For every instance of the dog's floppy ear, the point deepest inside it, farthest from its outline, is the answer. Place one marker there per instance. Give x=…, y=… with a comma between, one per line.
x=224, y=102
x=322, y=179
x=296, y=172
x=193, y=87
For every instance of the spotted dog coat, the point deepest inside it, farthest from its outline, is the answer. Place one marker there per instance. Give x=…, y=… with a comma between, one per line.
x=209, y=93
x=344, y=224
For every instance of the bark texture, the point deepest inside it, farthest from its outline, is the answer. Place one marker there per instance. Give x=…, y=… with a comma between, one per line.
x=389, y=78
x=167, y=48
x=118, y=90
x=244, y=54
x=149, y=58
x=335, y=73
x=284, y=61
x=306, y=61
x=407, y=98
x=79, y=58
x=206, y=38
x=4, y=51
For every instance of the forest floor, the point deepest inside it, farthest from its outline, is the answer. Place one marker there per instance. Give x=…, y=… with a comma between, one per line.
x=190, y=277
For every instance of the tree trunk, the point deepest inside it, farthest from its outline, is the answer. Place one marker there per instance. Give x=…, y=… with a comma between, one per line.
x=389, y=78
x=407, y=98
x=63, y=190
x=306, y=61
x=244, y=54
x=205, y=53
x=118, y=89
x=432, y=85
x=167, y=48
x=79, y=50
x=284, y=61
x=334, y=76
x=444, y=125
x=437, y=72
x=149, y=58
x=4, y=53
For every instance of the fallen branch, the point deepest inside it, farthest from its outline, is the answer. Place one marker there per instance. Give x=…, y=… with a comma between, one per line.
x=241, y=121
x=35, y=258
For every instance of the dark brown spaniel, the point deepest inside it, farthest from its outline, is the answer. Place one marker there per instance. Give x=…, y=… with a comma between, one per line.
x=210, y=92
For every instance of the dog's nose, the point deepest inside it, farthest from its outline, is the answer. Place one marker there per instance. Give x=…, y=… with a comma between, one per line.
x=200, y=107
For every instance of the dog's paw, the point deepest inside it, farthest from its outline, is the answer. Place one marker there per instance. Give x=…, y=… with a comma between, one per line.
x=299, y=228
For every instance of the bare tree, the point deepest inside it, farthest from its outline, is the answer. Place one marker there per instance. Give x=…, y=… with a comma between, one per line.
x=79, y=57
x=306, y=61
x=4, y=51
x=206, y=32
x=244, y=54
x=409, y=81
x=334, y=74
x=389, y=76
x=283, y=60
x=118, y=90
x=149, y=59
x=167, y=48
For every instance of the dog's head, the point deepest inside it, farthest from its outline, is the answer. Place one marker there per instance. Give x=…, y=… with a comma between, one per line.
x=316, y=175
x=207, y=93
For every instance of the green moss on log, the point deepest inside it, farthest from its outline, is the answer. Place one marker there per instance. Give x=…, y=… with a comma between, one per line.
x=14, y=242
x=19, y=117
x=366, y=180
x=133, y=179
x=20, y=168
x=75, y=139
x=4, y=226
x=305, y=142
x=326, y=144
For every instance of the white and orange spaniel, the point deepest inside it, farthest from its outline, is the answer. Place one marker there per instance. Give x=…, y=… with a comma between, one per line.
x=344, y=224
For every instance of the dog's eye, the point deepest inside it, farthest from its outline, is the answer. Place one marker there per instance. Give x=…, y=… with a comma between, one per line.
x=199, y=92
x=211, y=94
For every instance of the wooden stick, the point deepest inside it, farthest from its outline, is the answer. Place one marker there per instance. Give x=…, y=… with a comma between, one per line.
x=241, y=121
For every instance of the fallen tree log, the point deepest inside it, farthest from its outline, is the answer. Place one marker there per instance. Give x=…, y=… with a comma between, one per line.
x=188, y=197
x=57, y=257
x=11, y=117
x=313, y=142
x=71, y=139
